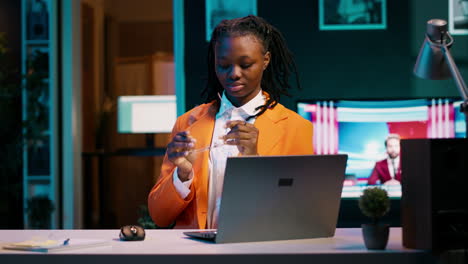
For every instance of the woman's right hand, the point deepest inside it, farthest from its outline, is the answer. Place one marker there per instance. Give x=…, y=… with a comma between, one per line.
x=178, y=152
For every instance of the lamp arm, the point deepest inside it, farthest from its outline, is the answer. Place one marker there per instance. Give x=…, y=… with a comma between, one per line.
x=455, y=73
x=460, y=84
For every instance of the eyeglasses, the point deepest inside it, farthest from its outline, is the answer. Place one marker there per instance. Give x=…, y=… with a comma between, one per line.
x=215, y=145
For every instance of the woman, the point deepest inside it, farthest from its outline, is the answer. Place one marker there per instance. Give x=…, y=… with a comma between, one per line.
x=248, y=69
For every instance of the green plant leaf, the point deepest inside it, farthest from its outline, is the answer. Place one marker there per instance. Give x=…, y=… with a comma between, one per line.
x=374, y=203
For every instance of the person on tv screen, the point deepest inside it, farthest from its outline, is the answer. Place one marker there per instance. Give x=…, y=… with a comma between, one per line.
x=388, y=171
x=249, y=67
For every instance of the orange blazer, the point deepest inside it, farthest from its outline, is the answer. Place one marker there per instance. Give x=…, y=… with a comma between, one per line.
x=281, y=132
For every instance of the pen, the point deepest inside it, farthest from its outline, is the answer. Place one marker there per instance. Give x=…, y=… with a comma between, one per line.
x=66, y=241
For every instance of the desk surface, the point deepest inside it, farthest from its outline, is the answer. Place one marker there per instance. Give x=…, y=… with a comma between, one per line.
x=171, y=246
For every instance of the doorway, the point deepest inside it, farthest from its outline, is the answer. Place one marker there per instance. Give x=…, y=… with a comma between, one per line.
x=127, y=49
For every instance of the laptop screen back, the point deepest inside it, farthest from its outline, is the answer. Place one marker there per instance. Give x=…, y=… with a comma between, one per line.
x=280, y=197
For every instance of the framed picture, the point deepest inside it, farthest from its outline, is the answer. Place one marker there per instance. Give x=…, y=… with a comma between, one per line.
x=217, y=10
x=458, y=17
x=352, y=14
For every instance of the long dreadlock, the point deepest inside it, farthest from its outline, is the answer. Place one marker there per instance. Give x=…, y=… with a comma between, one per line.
x=275, y=79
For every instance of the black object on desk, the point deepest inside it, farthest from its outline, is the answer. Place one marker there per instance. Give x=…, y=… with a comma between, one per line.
x=132, y=233
x=433, y=204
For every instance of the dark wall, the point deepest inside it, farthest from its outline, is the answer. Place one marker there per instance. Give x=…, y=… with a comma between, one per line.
x=344, y=63
x=11, y=207
x=340, y=64
x=195, y=51
x=332, y=64
x=10, y=24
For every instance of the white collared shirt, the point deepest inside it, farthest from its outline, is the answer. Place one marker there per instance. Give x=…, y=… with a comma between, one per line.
x=219, y=155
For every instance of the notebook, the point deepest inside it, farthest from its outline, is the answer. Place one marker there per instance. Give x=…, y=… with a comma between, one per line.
x=55, y=245
x=278, y=198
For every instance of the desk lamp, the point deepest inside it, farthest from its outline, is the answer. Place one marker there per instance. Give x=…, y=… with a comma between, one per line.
x=435, y=62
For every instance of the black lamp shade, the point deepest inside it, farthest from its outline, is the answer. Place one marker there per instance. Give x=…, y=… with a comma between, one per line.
x=435, y=62
x=430, y=63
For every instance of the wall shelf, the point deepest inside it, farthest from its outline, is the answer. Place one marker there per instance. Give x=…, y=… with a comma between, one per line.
x=40, y=178
x=39, y=66
x=38, y=42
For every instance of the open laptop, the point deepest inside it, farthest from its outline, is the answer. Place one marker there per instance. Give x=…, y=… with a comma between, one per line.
x=278, y=198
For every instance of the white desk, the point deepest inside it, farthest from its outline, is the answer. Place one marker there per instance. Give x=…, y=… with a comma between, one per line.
x=171, y=246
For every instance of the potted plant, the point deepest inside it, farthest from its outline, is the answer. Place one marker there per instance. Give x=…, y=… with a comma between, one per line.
x=39, y=211
x=36, y=124
x=145, y=220
x=374, y=203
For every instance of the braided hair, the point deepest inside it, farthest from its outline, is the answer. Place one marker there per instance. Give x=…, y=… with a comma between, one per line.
x=275, y=79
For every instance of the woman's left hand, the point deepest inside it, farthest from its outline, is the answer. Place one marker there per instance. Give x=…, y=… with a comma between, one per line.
x=242, y=134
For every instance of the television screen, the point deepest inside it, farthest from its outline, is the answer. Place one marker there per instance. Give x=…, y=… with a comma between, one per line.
x=146, y=113
x=360, y=128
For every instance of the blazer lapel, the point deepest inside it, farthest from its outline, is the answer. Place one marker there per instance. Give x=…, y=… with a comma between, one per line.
x=270, y=130
x=385, y=172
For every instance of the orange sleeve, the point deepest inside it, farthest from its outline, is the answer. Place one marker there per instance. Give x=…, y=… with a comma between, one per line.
x=164, y=202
